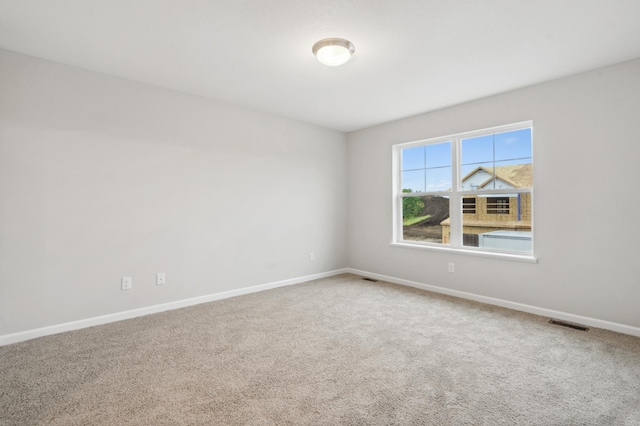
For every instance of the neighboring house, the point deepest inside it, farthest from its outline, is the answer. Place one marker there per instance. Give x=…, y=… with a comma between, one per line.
x=484, y=213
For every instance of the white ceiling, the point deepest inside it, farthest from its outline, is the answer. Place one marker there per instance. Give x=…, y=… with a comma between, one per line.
x=412, y=56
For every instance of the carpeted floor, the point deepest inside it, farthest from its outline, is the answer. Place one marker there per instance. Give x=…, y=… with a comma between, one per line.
x=334, y=351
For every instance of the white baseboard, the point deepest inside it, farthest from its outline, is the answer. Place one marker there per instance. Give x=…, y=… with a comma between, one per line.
x=8, y=339
x=592, y=322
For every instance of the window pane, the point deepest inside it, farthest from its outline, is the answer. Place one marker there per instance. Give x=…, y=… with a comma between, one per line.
x=426, y=219
x=413, y=181
x=513, y=175
x=506, y=155
x=513, y=147
x=477, y=150
x=486, y=177
x=438, y=154
x=477, y=177
x=413, y=158
x=427, y=168
x=499, y=223
x=439, y=179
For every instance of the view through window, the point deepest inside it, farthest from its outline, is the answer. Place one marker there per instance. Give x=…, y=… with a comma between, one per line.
x=472, y=190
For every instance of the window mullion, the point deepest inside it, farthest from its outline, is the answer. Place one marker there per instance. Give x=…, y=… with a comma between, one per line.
x=454, y=200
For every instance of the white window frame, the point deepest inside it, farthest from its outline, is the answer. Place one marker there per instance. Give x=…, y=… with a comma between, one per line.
x=455, y=195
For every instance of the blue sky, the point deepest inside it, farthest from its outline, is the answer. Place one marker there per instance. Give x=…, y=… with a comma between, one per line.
x=428, y=167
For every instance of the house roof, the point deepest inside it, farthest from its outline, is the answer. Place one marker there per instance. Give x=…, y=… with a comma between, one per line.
x=516, y=175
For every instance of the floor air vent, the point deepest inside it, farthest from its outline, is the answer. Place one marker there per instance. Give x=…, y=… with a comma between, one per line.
x=569, y=324
x=370, y=279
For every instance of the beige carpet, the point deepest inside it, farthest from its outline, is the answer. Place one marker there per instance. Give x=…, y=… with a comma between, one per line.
x=333, y=351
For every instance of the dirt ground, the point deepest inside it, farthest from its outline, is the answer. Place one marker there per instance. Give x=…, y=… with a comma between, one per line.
x=431, y=233
x=430, y=229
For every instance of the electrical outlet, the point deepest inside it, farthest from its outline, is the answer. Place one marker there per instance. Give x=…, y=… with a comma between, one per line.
x=312, y=257
x=451, y=267
x=161, y=278
x=126, y=283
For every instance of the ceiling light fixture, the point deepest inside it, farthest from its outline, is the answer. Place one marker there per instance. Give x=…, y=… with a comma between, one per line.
x=333, y=51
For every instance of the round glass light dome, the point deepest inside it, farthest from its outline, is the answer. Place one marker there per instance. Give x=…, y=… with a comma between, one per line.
x=333, y=51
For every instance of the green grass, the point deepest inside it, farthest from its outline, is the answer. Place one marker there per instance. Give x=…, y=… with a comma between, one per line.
x=412, y=220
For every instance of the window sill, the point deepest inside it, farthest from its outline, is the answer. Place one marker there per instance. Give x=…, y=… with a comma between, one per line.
x=492, y=255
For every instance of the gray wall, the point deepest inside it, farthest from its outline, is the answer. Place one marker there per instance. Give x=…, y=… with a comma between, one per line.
x=586, y=153
x=102, y=178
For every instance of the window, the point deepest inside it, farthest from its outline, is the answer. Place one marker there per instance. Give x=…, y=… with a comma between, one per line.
x=498, y=205
x=469, y=205
x=471, y=191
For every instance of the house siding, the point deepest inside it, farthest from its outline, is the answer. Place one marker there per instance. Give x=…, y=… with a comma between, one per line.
x=481, y=221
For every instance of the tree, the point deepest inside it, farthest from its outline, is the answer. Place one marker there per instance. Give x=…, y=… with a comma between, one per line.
x=411, y=206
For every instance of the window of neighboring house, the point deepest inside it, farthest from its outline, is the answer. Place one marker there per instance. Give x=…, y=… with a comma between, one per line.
x=469, y=205
x=497, y=205
x=471, y=191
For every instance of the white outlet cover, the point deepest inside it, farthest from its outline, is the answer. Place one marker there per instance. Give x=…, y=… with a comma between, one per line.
x=161, y=278
x=126, y=283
